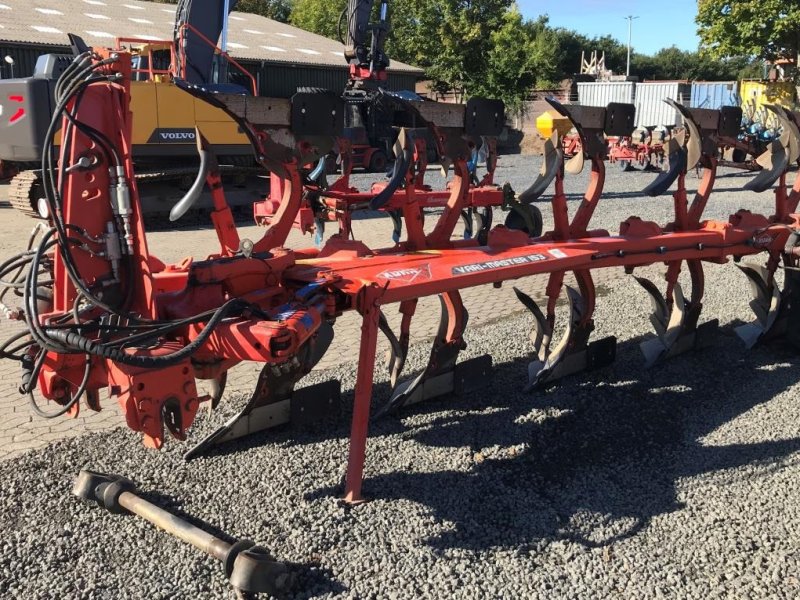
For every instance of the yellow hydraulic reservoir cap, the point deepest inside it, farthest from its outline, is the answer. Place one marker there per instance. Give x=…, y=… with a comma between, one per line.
x=548, y=122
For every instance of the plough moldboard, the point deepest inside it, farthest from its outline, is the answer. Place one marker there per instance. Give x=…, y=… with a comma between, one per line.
x=102, y=312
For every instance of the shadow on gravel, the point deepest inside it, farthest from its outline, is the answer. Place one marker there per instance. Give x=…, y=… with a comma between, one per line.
x=603, y=459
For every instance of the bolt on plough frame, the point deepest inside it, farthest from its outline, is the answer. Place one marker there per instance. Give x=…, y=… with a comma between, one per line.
x=102, y=312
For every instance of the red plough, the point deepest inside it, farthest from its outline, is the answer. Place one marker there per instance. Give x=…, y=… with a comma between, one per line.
x=103, y=313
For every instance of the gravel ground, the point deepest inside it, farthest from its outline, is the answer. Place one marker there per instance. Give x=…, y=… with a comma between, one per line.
x=677, y=482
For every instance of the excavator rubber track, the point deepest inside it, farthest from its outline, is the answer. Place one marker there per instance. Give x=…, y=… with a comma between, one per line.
x=23, y=191
x=25, y=188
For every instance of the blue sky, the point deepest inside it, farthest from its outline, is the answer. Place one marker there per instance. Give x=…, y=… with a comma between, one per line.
x=661, y=23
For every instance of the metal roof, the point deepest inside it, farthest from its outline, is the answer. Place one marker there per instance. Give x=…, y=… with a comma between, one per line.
x=99, y=22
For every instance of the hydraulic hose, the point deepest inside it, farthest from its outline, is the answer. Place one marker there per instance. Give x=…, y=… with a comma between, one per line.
x=401, y=165
x=190, y=197
x=82, y=344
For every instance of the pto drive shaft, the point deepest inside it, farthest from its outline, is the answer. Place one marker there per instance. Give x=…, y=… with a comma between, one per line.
x=249, y=568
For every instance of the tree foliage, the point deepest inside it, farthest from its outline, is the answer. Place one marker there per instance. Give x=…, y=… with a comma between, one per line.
x=522, y=56
x=768, y=29
x=463, y=31
x=318, y=16
x=674, y=63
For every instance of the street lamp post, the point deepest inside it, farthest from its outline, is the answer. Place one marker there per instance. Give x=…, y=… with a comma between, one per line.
x=630, y=30
x=10, y=62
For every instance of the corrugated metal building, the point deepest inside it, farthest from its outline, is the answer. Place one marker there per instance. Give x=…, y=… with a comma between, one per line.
x=715, y=94
x=652, y=111
x=601, y=93
x=281, y=57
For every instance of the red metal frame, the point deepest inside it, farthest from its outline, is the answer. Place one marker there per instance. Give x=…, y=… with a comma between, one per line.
x=290, y=293
x=640, y=153
x=340, y=199
x=620, y=149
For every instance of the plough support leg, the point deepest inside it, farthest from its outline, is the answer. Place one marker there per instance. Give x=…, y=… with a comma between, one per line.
x=363, y=397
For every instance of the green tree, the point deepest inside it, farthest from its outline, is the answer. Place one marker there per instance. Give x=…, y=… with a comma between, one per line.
x=768, y=29
x=510, y=73
x=570, y=45
x=544, y=53
x=318, y=16
x=409, y=41
x=462, y=31
x=522, y=56
x=674, y=63
x=277, y=10
x=646, y=67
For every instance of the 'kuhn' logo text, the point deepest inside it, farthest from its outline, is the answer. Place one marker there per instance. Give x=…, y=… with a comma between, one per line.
x=407, y=275
x=763, y=240
x=172, y=136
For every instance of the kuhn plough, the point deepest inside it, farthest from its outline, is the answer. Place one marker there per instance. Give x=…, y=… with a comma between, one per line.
x=102, y=312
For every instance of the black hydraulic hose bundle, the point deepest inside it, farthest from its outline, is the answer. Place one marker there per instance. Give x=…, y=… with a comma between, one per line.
x=123, y=331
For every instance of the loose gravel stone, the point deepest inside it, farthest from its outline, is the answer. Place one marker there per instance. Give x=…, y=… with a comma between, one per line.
x=675, y=482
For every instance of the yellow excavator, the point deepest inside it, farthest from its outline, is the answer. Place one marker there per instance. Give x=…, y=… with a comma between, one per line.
x=166, y=118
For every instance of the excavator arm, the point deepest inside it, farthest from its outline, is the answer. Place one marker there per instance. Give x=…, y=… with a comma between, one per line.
x=195, y=20
x=198, y=23
x=365, y=53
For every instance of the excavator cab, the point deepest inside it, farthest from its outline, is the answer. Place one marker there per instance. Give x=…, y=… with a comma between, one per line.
x=151, y=60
